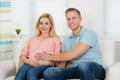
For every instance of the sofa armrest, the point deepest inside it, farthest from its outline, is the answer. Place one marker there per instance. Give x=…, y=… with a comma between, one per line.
x=7, y=68
x=113, y=72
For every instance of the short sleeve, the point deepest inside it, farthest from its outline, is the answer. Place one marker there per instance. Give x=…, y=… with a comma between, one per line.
x=25, y=50
x=89, y=37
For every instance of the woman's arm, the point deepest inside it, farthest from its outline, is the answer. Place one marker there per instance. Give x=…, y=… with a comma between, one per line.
x=24, y=59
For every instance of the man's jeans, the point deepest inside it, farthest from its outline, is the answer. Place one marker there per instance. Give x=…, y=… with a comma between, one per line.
x=84, y=71
x=27, y=72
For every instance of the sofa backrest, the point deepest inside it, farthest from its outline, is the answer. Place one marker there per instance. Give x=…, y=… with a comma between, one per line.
x=107, y=48
x=19, y=47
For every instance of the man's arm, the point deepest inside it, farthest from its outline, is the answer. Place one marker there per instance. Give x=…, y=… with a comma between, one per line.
x=79, y=50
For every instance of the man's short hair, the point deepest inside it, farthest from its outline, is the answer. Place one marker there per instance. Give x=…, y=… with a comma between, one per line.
x=72, y=9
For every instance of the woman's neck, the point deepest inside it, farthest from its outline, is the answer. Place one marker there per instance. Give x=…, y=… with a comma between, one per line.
x=45, y=35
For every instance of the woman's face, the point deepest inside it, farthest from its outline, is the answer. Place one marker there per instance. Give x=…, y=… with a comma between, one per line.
x=44, y=25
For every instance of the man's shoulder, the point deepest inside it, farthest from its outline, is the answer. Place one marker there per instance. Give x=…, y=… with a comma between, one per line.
x=89, y=31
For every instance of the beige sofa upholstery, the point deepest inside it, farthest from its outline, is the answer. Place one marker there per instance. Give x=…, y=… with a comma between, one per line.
x=8, y=68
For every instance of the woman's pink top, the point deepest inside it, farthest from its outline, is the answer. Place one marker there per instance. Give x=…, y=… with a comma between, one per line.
x=37, y=45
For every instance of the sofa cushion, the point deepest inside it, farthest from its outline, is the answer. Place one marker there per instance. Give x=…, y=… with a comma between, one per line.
x=10, y=78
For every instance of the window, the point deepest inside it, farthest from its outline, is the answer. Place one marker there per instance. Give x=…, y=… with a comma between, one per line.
x=112, y=18
x=5, y=19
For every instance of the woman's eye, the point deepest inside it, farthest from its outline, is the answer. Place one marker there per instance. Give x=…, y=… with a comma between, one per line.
x=46, y=23
x=41, y=23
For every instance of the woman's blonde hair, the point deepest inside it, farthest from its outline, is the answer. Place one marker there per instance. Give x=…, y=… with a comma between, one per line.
x=52, y=32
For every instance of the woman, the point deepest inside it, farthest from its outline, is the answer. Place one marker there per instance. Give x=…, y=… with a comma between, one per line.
x=45, y=40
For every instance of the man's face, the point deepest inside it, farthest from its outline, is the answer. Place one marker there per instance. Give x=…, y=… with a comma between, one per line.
x=73, y=20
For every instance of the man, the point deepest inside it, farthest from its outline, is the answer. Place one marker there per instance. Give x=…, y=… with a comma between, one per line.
x=80, y=49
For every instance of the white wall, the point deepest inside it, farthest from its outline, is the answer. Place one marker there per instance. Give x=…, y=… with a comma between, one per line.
x=92, y=12
x=56, y=8
x=20, y=16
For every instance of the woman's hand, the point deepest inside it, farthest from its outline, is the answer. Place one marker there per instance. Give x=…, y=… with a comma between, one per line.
x=31, y=63
x=27, y=61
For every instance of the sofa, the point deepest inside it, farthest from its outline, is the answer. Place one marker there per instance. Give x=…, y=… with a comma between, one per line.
x=8, y=68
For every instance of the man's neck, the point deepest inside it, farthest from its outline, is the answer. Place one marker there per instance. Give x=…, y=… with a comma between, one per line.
x=77, y=31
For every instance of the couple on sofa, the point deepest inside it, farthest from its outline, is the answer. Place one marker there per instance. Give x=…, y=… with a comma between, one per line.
x=76, y=57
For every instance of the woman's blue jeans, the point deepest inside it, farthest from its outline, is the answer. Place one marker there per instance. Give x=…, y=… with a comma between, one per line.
x=84, y=71
x=27, y=72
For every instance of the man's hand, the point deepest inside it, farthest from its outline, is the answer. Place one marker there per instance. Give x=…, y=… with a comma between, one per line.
x=43, y=56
